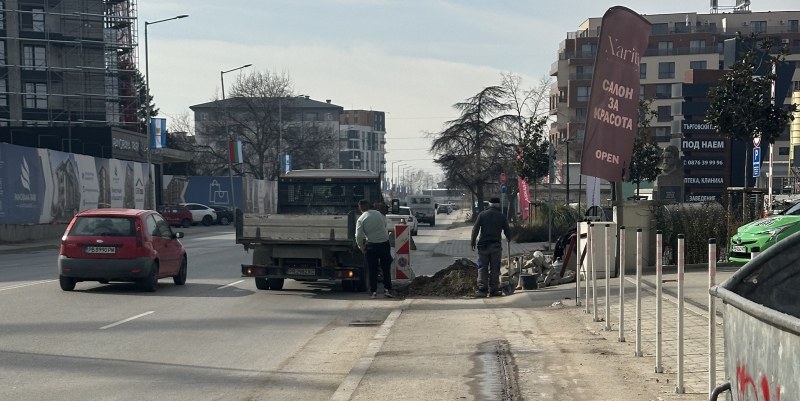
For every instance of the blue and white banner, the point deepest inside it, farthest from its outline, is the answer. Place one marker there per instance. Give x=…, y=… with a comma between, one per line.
x=158, y=133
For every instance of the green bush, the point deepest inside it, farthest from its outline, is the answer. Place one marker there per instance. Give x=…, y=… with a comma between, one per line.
x=530, y=233
x=698, y=223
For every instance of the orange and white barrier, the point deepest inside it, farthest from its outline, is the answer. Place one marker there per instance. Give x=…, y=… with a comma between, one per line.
x=401, y=266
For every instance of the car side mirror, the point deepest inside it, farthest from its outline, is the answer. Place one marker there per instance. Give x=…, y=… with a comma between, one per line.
x=178, y=235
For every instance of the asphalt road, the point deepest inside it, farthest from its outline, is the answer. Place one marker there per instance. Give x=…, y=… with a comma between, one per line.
x=217, y=337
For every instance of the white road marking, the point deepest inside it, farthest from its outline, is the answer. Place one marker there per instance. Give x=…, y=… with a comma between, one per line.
x=126, y=320
x=230, y=285
x=15, y=286
x=351, y=381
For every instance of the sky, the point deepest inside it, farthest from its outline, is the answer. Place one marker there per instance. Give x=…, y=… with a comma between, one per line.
x=413, y=59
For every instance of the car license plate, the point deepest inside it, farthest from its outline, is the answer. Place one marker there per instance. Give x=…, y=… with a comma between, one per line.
x=107, y=250
x=739, y=248
x=301, y=272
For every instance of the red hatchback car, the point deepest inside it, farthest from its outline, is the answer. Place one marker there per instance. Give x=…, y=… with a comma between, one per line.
x=120, y=245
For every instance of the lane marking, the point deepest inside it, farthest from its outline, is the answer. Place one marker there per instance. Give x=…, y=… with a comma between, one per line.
x=15, y=286
x=230, y=285
x=352, y=380
x=126, y=320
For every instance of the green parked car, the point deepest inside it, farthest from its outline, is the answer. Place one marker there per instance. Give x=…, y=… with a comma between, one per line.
x=761, y=234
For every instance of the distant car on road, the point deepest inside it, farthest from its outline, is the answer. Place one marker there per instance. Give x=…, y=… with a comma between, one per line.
x=763, y=233
x=201, y=213
x=129, y=245
x=444, y=208
x=175, y=215
x=405, y=214
x=224, y=214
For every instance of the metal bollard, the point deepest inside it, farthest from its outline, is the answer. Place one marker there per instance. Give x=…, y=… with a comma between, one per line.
x=621, y=284
x=659, y=269
x=712, y=316
x=679, y=387
x=578, y=263
x=606, y=257
x=754, y=251
x=594, y=281
x=588, y=268
x=639, y=257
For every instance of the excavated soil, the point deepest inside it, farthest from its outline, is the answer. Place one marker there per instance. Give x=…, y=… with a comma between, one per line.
x=456, y=281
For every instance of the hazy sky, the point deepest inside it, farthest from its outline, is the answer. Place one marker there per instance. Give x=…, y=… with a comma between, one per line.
x=412, y=59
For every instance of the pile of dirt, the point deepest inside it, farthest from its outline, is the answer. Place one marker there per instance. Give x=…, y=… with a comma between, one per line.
x=455, y=281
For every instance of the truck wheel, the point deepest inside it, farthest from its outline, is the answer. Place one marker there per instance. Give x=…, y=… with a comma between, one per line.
x=275, y=283
x=261, y=283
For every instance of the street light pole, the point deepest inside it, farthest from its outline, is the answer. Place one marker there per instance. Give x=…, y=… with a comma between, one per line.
x=227, y=132
x=152, y=184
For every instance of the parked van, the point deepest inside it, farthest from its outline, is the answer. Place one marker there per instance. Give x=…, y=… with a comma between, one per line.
x=424, y=208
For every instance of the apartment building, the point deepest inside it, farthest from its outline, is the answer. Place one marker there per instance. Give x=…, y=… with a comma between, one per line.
x=363, y=140
x=68, y=62
x=679, y=42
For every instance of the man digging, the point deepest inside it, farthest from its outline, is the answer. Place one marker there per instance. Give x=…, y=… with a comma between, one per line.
x=490, y=223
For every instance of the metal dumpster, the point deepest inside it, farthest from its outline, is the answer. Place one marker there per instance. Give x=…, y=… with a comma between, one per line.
x=762, y=325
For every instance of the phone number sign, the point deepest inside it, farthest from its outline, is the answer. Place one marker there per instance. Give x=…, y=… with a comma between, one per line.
x=703, y=162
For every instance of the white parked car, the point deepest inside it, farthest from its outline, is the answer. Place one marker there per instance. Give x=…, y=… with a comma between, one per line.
x=201, y=213
x=405, y=214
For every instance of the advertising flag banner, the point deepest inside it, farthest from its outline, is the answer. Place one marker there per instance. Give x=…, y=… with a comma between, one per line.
x=158, y=131
x=614, y=100
x=235, y=151
x=524, y=197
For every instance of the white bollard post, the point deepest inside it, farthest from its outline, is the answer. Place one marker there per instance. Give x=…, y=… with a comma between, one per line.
x=578, y=263
x=659, y=269
x=607, y=257
x=679, y=388
x=594, y=282
x=588, y=267
x=621, y=284
x=712, y=316
x=639, y=257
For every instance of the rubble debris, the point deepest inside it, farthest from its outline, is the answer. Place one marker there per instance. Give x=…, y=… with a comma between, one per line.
x=457, y=280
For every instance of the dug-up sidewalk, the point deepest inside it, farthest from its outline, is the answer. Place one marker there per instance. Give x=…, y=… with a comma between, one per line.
x=538, y=345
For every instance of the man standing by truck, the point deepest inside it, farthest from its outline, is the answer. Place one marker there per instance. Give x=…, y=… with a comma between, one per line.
x=491, y=223
x=372, y=238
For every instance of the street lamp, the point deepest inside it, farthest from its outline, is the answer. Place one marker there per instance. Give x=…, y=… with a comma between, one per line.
x=147, y=108
x=225, y=108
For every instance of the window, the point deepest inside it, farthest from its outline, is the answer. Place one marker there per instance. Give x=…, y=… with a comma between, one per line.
x=2, y=51
x=3, y=15
x=758, y=26
x=664, y=113
x=37, y=17
x=3, y=93
x=663, y=91
x=583, y=93
x=580, y=114
x=643, y=71
x=683, y=27
x=659, y=29
x=697, y=46
x=666, y=70
x=34, y=56
x=663, y=134
x=697, y=65
x=588, y=49
x=664, y=48
x=783, y=151
x=35, y=95
x=641, y=92
x=794, y=25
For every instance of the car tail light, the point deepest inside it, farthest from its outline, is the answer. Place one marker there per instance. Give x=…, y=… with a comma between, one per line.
x=139, y=235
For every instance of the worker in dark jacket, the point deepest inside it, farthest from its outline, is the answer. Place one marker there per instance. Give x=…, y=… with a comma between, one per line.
x=491, y=223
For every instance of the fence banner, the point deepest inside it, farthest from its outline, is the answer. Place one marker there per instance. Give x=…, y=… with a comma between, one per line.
x=524, y=197
x=614, y=99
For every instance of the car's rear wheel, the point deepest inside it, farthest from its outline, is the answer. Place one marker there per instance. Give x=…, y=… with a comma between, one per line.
x=261, y=283
x=224, y=220
x=180, y=278
x=207, y=220
x=275, y=283
x=186, y=223
x=66, y=283
x=150, y=284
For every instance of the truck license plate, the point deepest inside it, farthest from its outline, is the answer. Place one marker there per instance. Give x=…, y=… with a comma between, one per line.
x=739, y=248
x=107, y=250
x=301, y=272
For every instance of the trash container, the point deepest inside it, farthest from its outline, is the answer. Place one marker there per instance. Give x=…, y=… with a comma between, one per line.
x=761, y=307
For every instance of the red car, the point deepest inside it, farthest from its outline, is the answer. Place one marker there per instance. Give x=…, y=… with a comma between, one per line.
x=120, y=245
x=178, y=216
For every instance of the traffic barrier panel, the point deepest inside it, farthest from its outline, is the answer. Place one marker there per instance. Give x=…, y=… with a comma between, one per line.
x=401, y=266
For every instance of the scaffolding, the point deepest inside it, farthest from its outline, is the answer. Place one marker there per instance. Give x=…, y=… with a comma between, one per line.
x=69, y=62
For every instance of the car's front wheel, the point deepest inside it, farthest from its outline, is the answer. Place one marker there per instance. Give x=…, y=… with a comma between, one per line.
x=66, y=283
x=180, y=278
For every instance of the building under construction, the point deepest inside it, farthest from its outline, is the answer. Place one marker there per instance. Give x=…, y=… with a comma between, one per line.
x=68, y=63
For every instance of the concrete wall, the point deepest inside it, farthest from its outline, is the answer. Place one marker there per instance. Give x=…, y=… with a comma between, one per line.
x=635, y=215
x=11, y=233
